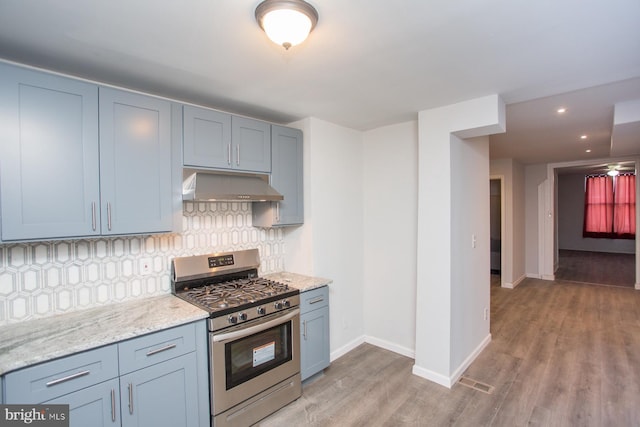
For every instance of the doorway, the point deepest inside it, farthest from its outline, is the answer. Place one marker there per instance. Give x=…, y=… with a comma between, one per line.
x=549, y=222
x=495, y=229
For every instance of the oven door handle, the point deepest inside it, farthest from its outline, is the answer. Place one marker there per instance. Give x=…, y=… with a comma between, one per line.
x=257, y=328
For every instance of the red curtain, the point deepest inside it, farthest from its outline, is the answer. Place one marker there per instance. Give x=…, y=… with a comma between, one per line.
x=624, y=206
x=598, y=206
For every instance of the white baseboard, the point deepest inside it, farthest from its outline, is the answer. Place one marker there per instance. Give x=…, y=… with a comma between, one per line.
x=548, y=277
x=515, y=282
x=451, y=380
x=469, y=360
x=638, y=286
x=346, y=348
x=387, y=345
x=533, y=276
x=432, y=376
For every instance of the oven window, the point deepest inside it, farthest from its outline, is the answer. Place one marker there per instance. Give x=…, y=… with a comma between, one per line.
x=255, y=354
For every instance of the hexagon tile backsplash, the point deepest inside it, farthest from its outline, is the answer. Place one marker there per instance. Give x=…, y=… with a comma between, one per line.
x=43, y=278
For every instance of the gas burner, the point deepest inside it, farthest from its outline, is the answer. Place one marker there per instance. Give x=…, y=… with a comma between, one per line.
x=227, y=286
x=234, y=293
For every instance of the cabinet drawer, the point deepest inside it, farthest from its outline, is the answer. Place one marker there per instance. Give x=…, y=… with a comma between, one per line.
x=157, y=347
x=49, y=380
x=314, y=299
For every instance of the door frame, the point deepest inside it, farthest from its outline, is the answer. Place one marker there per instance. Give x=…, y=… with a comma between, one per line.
x=548, y=247
x=503, y=228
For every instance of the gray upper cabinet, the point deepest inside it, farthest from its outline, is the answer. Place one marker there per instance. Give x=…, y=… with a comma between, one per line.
x=135, y=163
x=79, y=161
x=251, y=144
x=49, y=160
x=207, y=138
x=218, y=140
x=287, y=178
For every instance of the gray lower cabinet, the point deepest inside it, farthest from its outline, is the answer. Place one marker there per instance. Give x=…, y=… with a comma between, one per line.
x=314, y=325
x=97, y=405
x=160, y=395
x=213, y=139
x=77, y=160
x=287, y=178
x=160, y=380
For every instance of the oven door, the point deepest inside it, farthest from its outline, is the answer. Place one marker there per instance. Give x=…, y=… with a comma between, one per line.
x=252, y=357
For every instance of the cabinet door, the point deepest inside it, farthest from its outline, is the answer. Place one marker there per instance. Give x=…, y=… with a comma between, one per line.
x=162, y=395
x=287, y=178
x=251, y=144
x=49, y=176
x=98, y=405
x=206, y=138
x=135, y=163
x=314, y=346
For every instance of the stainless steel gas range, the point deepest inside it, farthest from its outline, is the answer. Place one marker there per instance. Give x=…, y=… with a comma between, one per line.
x=254, y=334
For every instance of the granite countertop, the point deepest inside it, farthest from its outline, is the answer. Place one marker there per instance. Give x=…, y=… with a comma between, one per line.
x=34, y=341
x=299, y=281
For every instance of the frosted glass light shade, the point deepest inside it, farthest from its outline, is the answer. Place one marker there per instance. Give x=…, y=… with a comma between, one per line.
x=286, y=22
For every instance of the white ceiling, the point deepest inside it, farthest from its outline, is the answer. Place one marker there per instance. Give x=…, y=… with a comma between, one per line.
x=367, y=64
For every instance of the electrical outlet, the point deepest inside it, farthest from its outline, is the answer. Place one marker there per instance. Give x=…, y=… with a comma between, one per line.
x=474, y=241
x=145, y=266
x=486, y=314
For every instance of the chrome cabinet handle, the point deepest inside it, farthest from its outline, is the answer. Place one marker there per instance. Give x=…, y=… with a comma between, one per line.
x=69, y=378
x=238, y=155
x=317, y=300
x=109, y=216
x=304, y=324
x=277, y=211
x=160, y=350
x=93, y=216
x=229, y=154
x=113, y=405
x=130, y=387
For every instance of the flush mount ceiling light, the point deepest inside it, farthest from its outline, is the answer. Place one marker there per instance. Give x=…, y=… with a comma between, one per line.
x=286, y=22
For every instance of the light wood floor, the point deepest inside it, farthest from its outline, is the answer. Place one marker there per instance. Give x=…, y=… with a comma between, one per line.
x=562, y=354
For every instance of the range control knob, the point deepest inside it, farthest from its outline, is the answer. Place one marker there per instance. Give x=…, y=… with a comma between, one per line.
x=232, y=319
x=261, y=311
x=242, y=316
x=286, y=303
x=278, y=305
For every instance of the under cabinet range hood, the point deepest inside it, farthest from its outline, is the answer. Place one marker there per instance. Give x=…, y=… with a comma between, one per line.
x=201, y=186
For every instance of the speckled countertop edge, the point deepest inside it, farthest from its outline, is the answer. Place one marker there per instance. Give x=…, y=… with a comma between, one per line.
x=27, y=343
x=299, y=281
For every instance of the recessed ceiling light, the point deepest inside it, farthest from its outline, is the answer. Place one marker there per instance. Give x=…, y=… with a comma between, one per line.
x=561, y=110
x=587, y=151
x=583, y=137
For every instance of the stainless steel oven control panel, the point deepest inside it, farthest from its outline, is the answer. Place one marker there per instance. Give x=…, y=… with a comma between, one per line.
x=252, y=313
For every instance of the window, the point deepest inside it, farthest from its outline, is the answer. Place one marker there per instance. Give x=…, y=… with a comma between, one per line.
x=610, y=207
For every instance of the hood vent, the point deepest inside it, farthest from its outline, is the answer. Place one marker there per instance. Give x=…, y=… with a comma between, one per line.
x=221, y=187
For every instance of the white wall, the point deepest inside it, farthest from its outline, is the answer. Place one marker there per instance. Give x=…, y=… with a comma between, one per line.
x=332, y=235
x=450, y=328
x=470, y=282
x=390, y=222
x=571, y=219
